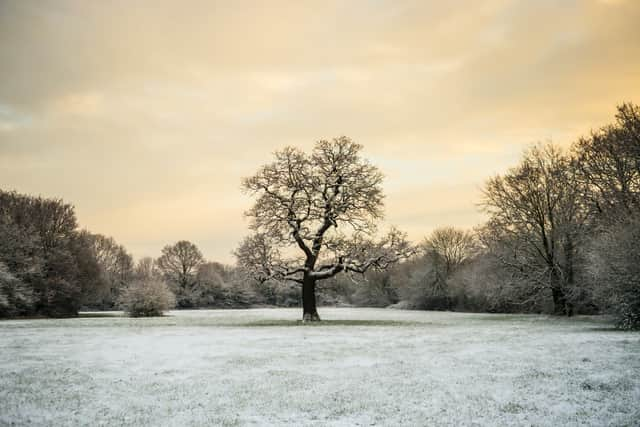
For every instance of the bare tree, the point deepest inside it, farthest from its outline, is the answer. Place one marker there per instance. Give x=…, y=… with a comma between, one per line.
x=258, y=257
x=302, y=200
x=453, y=245
x=443, y=252
x=537, y=216
x=179, y=264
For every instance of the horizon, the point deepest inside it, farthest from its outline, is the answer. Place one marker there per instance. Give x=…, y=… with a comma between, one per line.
x=146, y=121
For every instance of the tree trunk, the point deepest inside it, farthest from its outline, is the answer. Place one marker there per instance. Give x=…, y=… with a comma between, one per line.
x=570, y=274
x=561, y=306
x=309, y=310
x=560, y=303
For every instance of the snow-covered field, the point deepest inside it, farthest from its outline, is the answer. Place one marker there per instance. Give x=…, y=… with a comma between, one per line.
x=361, y=367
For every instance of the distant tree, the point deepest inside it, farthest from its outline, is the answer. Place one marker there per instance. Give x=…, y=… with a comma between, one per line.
x=376, y=289
x=537, y=217
x=211, y=290
x=302, y=200
x=115, y=264
x=147, y=297
x=453, y=245
x=146, y=269
x=179, y=264
x=89, y=273
x=238, y=291
x=425, y=283
x=483, y=284
x=258, y=257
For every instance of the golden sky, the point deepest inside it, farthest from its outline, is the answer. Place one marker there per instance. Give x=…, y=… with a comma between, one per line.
x=146, y=114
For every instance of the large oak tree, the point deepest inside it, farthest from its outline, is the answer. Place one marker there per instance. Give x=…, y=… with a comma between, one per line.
x=315, y=216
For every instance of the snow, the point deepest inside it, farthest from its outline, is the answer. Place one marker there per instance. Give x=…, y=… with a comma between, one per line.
x=360, y=367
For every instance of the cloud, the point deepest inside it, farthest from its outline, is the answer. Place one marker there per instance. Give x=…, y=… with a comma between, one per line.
x=146, y=115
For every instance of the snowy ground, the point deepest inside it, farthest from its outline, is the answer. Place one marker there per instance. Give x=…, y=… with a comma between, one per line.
x=367, y=367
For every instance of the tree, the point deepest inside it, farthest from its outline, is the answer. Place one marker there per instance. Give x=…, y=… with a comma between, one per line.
x=324, y=206
x=116, y=268
x=89, y=273
x=146, y=268
x=609, y=165
x=211, y=289
x=179, y=264
x=453, y=245
x=258, y=257
x=536, y=220
x=45, y=231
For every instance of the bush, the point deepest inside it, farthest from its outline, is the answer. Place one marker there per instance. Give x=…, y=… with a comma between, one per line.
x=147, y=297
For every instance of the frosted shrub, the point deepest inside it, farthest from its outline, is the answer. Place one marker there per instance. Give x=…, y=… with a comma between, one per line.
x=147, y=297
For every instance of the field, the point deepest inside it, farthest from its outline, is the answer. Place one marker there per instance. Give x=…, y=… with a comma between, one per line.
x=358, y=367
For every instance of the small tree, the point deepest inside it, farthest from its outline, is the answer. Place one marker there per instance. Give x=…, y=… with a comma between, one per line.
x=179, y=264
x=453, y=245
x=147, y=297
x=324, y=206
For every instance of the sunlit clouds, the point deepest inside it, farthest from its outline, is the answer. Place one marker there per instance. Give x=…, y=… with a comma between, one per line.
x=146, y=115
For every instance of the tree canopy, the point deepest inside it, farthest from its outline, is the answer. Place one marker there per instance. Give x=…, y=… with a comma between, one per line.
x=325, y=205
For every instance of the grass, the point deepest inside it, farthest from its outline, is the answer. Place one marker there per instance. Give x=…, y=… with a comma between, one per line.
x=356, y=367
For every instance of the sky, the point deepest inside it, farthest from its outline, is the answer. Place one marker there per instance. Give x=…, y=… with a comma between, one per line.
x=147, y=114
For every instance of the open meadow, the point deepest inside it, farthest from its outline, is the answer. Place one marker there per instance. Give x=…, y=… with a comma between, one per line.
x=356, y=367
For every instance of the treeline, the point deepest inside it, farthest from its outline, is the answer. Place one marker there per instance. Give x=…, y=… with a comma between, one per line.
x=44, y=264
x=562, y=237
x=49, y=267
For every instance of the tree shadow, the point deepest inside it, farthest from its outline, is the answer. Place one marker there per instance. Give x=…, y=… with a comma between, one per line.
x=288, y=323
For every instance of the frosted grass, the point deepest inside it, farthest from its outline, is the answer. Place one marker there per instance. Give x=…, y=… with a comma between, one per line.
x=360, y=367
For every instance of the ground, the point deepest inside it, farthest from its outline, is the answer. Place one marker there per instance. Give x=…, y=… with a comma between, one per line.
x=357, y=367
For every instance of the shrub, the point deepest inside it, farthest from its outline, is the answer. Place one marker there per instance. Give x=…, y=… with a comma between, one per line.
x=147, y=297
